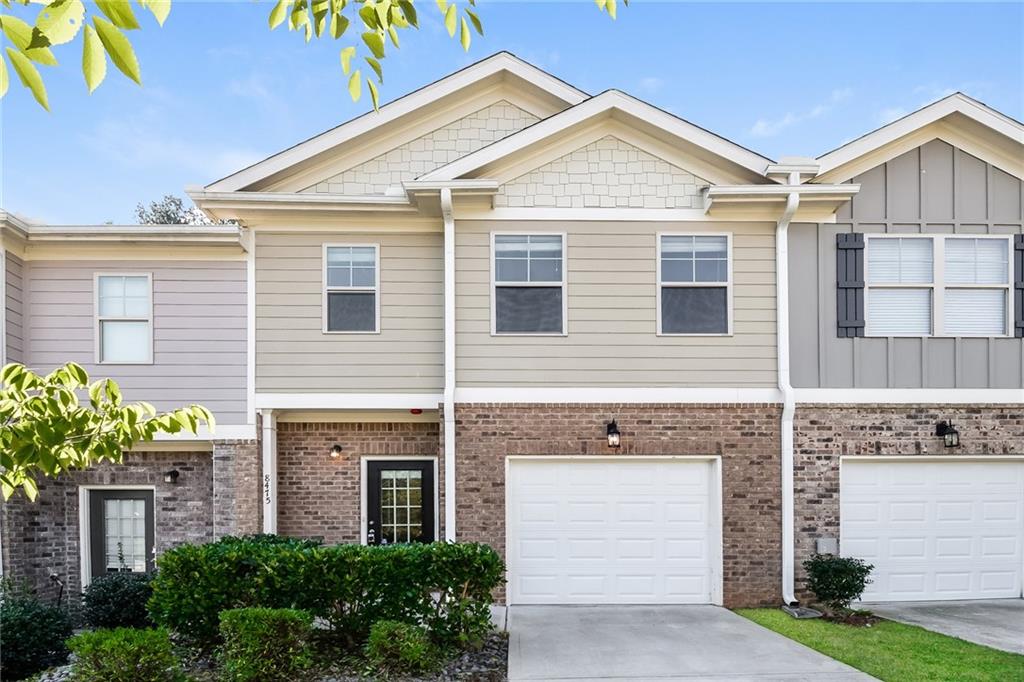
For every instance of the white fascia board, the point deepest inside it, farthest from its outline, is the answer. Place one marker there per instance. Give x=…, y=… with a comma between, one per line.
x=291, y=201
x=956, y=103
x=205, y=234
x=604, y=104
x=347, y=401
x=911, y=396
x=220, y=432
x=491, y=66
x=625, y=395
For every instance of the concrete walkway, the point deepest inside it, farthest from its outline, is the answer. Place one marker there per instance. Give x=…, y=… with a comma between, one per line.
x=998, y=623
x=656, y=643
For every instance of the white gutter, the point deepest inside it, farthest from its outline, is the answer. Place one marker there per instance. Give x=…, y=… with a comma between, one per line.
x=449, y=363
x=788, y=396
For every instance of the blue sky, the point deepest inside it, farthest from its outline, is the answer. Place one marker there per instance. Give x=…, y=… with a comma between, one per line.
x=221, y=91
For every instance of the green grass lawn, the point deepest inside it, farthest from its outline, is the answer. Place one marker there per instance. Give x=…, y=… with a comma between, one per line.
x=895, y=651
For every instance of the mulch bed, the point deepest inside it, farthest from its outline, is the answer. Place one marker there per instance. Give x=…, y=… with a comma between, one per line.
x=859, y=619
x=489, y=663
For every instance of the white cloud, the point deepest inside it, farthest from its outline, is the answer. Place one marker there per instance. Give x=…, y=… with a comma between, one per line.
x=770, y=128
x=650, y=84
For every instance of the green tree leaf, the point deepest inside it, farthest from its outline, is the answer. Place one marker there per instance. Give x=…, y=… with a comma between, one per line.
x=409, y=10
x=94, y=61
x=465, y=37
x=451, y=20
x=160, y=9
x=119, y=48
x=4, y=78
x=278, y=14
x=355, y=86
x=375, y=43
x=119, y=12
x=374, y=95
x=475, y=20
x=29, y=76
x=346, y=59
x=339, y=24
x=61, y=21
x=375, y=65
x=29, y=41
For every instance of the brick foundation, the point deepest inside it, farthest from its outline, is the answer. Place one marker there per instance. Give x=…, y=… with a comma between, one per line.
x=319, y=496
x=746, y=437
x=42, y=537
x=237, y=504
x=825, y=433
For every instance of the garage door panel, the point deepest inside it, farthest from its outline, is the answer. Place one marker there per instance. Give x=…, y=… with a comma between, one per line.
x=957, y=536
x=630, y=531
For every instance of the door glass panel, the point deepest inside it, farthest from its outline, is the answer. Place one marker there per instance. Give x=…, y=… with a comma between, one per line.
x=401, y=498
x=124, y=531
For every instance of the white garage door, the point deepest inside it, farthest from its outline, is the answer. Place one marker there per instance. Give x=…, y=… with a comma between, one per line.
x=935, y=530
x=622, y=531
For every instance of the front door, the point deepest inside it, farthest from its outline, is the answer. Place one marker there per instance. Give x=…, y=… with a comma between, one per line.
x=399, y=501
x=121, y=531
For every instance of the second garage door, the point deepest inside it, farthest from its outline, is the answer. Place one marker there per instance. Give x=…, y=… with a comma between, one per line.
x=949, y=529
x=613, y=531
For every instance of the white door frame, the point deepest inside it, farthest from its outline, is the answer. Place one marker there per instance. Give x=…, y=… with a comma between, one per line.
x=920, y=458
x=715, y=502
x=84, y=543
x=393, y=458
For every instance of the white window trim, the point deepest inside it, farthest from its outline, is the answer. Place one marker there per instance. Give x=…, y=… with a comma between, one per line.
x=97, y=318
x=84, y=528
x=727, y=284
x=325, y=289
x=363, y=481
x=938, y=285
x=563, y=284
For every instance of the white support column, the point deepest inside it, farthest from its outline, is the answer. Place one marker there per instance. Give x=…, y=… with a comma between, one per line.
x=449, y=364
x=269, y=471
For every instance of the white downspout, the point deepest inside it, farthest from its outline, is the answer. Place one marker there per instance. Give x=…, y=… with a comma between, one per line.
x=788, y=398
x=449, y=364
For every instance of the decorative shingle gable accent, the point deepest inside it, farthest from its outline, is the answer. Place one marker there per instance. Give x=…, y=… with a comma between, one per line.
x=608, y=173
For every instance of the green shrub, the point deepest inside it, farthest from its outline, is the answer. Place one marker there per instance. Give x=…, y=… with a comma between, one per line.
x=837, y=581
x=124, y=655
x=395, y=647
x=265, y=644
x=444, y=586
x=32, y=633
x=118, y=600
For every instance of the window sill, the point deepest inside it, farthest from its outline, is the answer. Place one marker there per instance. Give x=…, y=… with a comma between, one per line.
x=707, y=335
x=529, y=334
x=326, y=332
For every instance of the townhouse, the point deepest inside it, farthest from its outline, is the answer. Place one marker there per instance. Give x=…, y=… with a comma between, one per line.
x=646, y=364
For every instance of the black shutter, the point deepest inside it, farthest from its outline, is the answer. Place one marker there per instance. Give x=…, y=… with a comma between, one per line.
x=1018, y=286
x=850, y=284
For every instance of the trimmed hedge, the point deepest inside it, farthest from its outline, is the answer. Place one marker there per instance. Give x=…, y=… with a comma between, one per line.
x=32, y=633
x=124, y=655
x=118, y=600
x=395, y=647
x=445, y=587
x=265, y=645
x=837, y=581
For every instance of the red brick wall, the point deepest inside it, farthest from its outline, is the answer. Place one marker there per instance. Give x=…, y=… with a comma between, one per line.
x=42, y=537
x=319, y=496
x=745, y=436
x=824, y=433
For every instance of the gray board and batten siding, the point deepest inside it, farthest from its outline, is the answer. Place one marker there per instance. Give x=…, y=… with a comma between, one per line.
x=933, y=189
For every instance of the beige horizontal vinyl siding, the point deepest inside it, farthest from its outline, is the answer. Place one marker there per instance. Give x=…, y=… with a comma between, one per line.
x=199, y=322
x=294, y=355
x=612, y=312
x=14, y=270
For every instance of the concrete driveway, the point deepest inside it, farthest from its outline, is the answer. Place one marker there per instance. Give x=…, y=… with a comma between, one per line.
x=656, y=643
x=998, y=623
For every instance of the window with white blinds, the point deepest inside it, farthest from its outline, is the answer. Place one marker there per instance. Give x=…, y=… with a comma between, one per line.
x=937, y=286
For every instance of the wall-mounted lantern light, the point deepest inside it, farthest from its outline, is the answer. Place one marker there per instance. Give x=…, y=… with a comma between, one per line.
x=335, y=451
x=614, y=437
x=950, y=436
x=171, y=476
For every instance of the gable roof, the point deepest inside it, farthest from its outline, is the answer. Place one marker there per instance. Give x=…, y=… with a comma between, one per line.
x=499, y=67
x=719, y=159
x=958, y=119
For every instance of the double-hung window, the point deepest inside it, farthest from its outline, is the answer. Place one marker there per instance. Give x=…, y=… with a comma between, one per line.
x=351, y=289
x=938, y=286
x=529, y=284
x=124, y=318
x=694, y=284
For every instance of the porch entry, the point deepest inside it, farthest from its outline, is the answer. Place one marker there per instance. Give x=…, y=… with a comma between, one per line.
x=400, y=501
